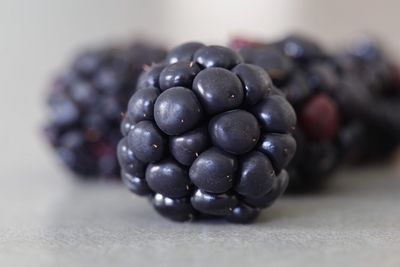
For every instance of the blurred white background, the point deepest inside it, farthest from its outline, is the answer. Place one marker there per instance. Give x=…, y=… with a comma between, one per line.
x=37, y=38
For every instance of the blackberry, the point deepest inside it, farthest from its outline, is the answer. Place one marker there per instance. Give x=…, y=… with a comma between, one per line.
x=372, y=97
x=86, y=102
x=347, y=103
x=367, y=60
x=310, y=81
x=207, y=135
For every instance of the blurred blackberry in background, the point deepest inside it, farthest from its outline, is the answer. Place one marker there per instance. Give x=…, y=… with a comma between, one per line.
x=348, y=103
x=310, y=80
x=86, y=102
x=207, y=135
x=368, y=62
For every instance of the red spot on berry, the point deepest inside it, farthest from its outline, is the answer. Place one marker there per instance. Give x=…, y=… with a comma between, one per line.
x=319, y=118
x=239, y=42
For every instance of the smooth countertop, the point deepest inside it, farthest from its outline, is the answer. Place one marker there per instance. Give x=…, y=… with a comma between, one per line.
x=51, y=219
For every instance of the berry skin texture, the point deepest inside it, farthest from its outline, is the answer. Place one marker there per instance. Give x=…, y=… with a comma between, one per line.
x=86, y=102
x=177, y=110
x=213, y=204
x=217, y=56
x=243, y=214
x=147, y=142
x=178, y=74
x=150, y=78
x=187, y=147
x=168, y=178
x=141, y=105
x=128, y=161
x=278, y=188
x=236, y=131
x=275, y=114
x=255, y=81
x=135, y=184
x=176, y=209
x=218, y=90
x=278, y=66
x=319, y=118
x=183, y=53
x=256, y=175
x=207, y=136
x=280, y=148
x=213, y=171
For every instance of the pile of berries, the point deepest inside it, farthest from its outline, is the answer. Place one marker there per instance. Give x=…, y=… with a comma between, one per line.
x=211, y=132
x=207, y=135
x=86, y=102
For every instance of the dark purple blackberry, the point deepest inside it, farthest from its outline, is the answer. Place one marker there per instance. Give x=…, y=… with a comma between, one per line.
x=206, y=134
x=347, y=103
x=310, y=82
x=86, y=103
x=376, y=98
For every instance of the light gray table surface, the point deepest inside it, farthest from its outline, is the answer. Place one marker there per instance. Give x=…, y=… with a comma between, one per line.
x=50, y=219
